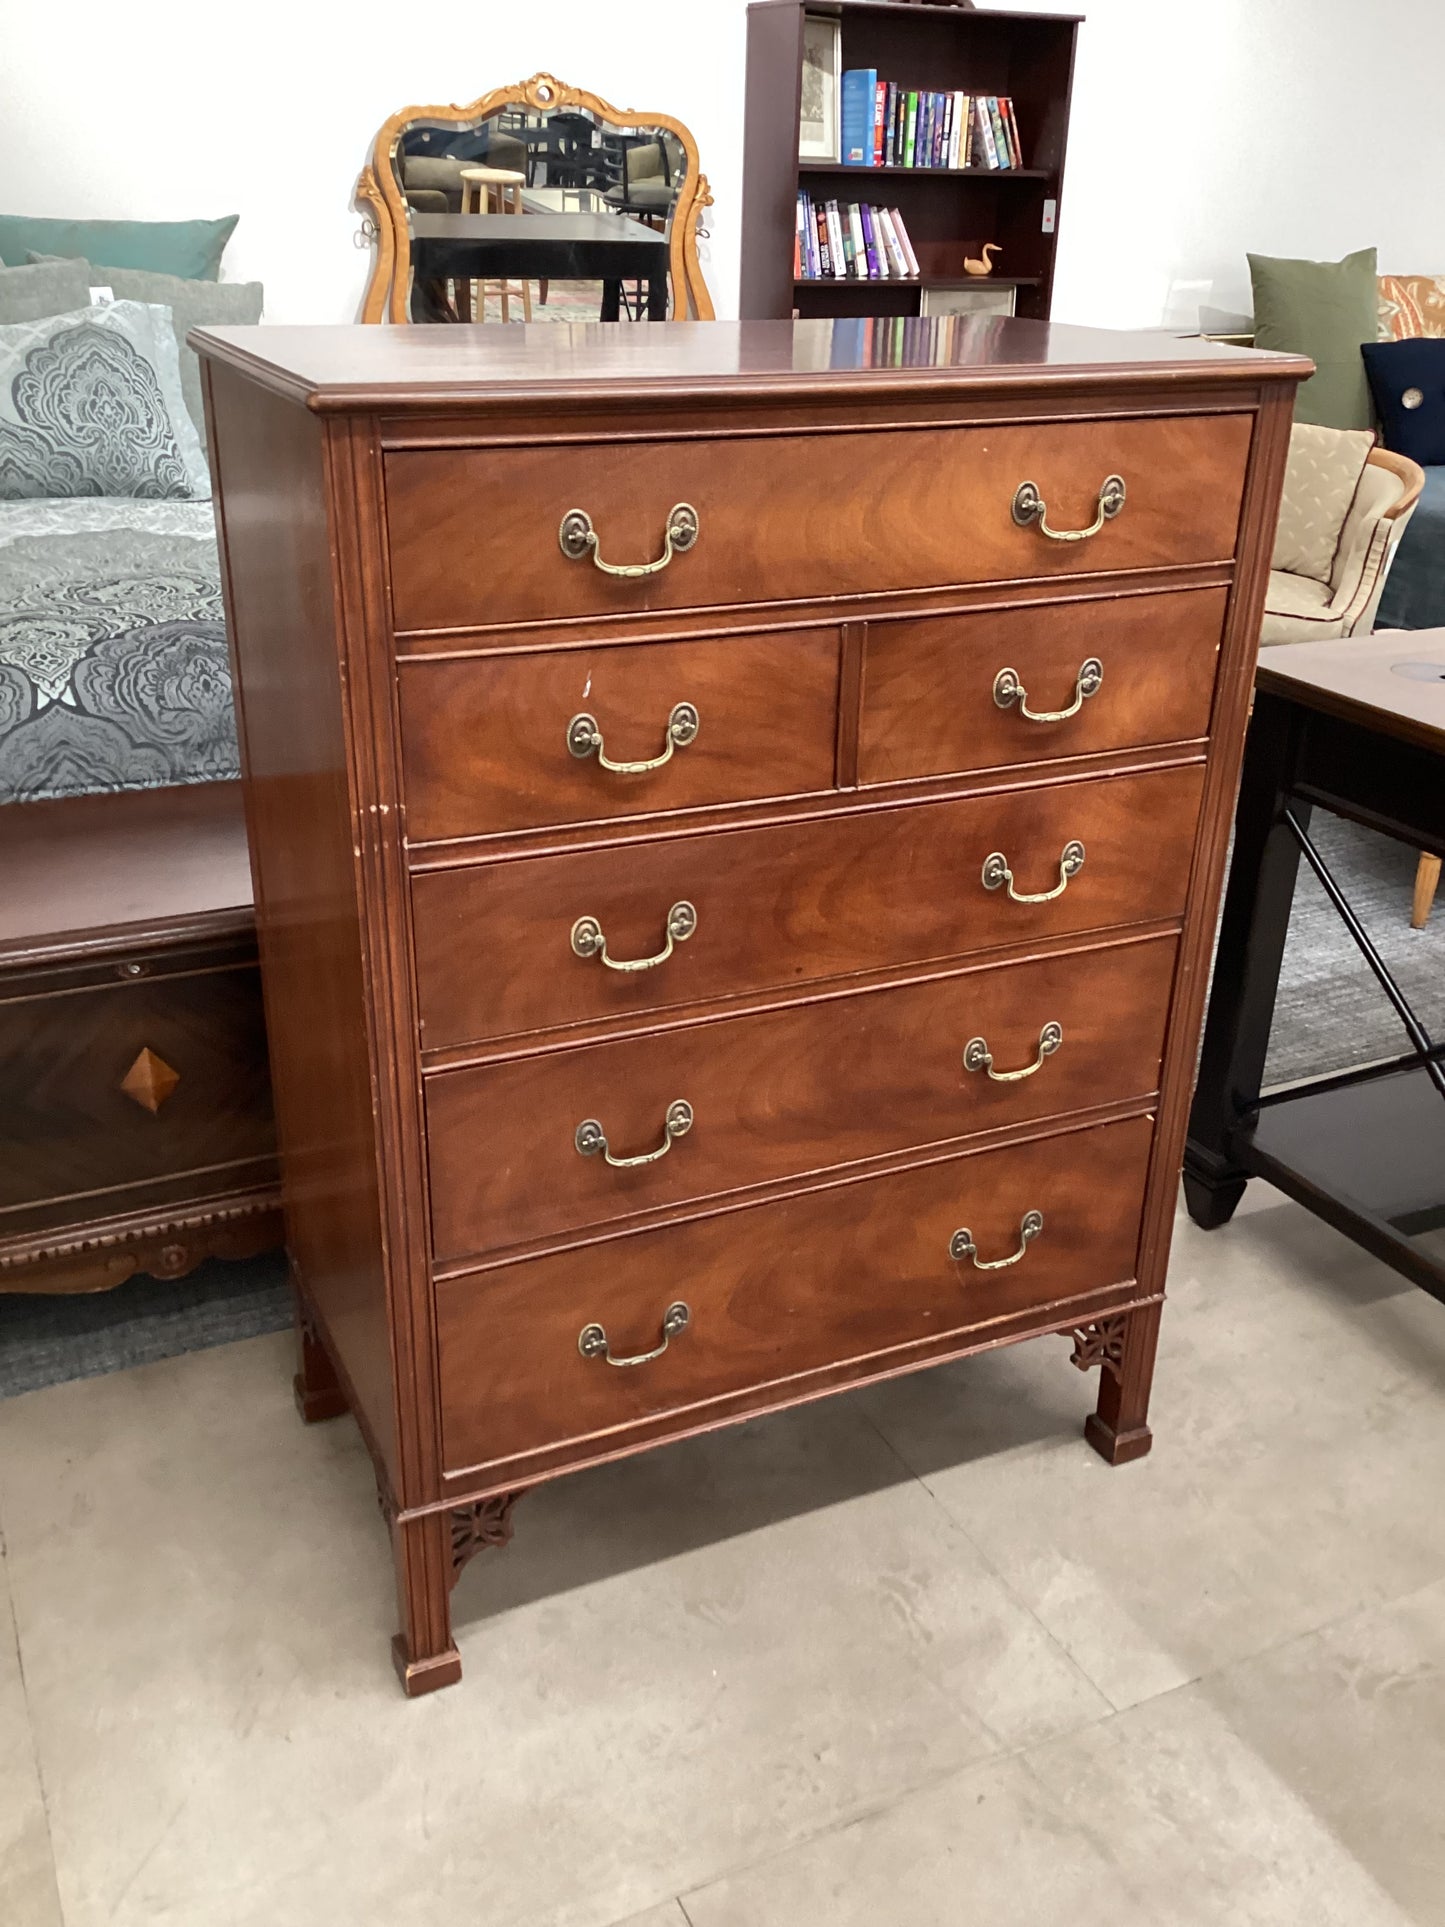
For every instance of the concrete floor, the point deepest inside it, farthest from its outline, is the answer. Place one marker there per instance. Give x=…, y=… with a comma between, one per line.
x=913, y=1656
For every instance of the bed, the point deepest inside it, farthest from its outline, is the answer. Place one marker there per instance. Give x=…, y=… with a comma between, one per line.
x=135, y=1115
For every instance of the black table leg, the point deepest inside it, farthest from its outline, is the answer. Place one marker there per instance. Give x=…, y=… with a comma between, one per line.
x=611, y=300
x=1246, y=970
x=657, y=297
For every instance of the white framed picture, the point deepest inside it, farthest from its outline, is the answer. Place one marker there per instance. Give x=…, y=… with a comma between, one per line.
x=979, y=300
x=818, y=126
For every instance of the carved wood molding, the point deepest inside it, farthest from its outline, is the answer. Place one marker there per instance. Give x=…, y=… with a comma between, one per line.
x=483, y=1524
x=166, y=1245
x=1101, y=1343
x=379, y=190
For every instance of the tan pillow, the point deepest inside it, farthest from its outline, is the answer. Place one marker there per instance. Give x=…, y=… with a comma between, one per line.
x=1324, y=469
x=1411, y=305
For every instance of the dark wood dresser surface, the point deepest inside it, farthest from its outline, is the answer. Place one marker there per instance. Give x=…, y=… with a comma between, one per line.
x=737, y=824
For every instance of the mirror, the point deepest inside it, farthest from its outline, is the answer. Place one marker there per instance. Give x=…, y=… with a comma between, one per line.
x=536, y=203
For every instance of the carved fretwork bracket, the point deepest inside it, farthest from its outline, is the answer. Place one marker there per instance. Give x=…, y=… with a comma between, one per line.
x=482, y=1524
x=1101, y=1343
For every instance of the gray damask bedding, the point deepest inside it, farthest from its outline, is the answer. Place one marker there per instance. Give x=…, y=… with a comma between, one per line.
x=113, y=667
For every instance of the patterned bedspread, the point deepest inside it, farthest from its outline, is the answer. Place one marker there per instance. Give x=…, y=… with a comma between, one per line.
x=113, y=668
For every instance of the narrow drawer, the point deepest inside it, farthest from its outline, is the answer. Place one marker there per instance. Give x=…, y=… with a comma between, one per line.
x=511, y=742
x=509, y=947
x=853, y=1272
x=785, y=1092
x=967, y=692
x=109, y=1089
x=476, y=535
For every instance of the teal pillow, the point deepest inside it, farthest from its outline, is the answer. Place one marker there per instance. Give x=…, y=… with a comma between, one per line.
x=1326, y=310
x=191, y=249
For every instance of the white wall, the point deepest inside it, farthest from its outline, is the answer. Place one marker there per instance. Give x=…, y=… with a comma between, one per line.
x=1306, y=127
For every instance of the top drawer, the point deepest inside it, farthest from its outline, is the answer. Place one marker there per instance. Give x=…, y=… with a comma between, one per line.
x=476, y=533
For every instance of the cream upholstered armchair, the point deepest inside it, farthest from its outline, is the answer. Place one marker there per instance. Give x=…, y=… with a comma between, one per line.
x=1345, y=506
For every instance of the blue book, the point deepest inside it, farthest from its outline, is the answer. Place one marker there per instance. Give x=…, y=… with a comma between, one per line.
x=860, y=90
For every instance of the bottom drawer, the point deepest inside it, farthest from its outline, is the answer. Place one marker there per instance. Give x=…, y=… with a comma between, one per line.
x=778, y=1291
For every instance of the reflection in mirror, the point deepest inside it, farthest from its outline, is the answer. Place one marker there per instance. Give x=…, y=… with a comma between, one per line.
x=536, y=204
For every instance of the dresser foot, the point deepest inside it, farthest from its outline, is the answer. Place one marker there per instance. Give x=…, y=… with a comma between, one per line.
x=1123, y=1348
x=427, y=1675
x=317, y=1388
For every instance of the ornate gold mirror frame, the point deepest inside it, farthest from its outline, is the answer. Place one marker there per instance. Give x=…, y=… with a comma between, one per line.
x=378, y=191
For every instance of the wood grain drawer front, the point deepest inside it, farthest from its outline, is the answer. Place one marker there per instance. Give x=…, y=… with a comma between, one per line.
x=954, y=693
x=790, y=903
x=116, y=1087
x=786, y=1092
x=857, y=1271
x=486, y=743
x=475, y=533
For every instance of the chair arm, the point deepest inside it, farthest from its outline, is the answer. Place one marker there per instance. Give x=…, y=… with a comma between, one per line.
x=1411, y=477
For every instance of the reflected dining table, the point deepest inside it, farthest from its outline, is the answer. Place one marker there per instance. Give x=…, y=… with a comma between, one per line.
x=544, y=247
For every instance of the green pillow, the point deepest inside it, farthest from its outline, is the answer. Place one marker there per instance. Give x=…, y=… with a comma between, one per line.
x=193, y=304
x=189, y=248
x=1326, y=310
x=32, y=293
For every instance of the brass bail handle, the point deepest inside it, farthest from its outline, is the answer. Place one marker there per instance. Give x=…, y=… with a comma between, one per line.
x=961, y=1245
x=978, y=1057
x=592, y=1339
x=997, y=875
x=1030, y=507
x=1008, y=689
x=579, y=539
x=584, y=738
x=590, y=1138
x=588, y=939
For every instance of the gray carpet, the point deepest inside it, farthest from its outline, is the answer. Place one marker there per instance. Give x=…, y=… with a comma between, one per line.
x=1331, y=1014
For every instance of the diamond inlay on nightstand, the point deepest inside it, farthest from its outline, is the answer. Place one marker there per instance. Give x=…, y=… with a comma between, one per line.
x=150, y=1080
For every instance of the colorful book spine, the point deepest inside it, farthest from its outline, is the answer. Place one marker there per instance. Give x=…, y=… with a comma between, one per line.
x=1000, y=133
x=910, y=137
x=880, y=102
x=860, y=85
x=835, y=243
x=876, y=270
x=1013, y=133
x=860, y=245
x=904, y=243
x=825, y=253
x=985, y=133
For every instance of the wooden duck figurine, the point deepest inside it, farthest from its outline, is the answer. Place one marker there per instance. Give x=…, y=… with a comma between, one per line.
x=985, y=266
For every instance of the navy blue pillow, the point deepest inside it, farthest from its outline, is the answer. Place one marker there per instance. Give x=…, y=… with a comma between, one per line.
x=1407, y=379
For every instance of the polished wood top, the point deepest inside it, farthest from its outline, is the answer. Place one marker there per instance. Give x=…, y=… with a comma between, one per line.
x=1383, y=682
x=397, y=368
x=165, y=861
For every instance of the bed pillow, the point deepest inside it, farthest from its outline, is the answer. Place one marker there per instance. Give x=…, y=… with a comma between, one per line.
x=31, y=293
x=91, y=404
x=1326, y=310
x=193, y=304
x=189, y=248
x=1407, y=379
x=1411, y=305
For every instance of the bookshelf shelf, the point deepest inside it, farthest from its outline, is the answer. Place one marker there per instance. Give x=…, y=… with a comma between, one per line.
x=1028, y=57
x=861, y=174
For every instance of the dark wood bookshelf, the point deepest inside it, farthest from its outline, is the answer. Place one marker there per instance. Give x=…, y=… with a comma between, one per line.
x=949, y=211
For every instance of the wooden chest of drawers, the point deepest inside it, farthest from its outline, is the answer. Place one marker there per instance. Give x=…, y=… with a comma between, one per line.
x=736, y=826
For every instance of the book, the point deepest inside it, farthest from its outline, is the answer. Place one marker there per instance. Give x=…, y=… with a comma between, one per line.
x=957, y=154
x=880, y=101
x=877, y=271
x=825, y=252
x=897, y=259
x=860, y=246
x=1013, y=133
x=944, y=145
x=1000, y=133
x=835, y=243
x=799, y=257
x=860, y=84
x=910, y=136
x=985, y=133
x=905, y=244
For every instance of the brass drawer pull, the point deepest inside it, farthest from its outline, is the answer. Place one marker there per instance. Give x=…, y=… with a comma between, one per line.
x=961, y=1245
x=978, y=1057
x=997, y=875
x=1008, y=690
x=579, y=538
x=590, y=1138
x=592, y=1339
x=1029, y=506
x=588, y=940
x=584, y=738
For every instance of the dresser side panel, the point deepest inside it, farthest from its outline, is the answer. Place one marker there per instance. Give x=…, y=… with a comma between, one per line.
x=302, y=821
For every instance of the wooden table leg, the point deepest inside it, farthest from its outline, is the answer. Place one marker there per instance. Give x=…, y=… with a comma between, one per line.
x=1427, y=881
x=1246, y=969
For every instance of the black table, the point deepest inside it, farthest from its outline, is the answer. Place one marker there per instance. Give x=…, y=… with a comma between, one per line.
x=1357, y=727
x=544, y=247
